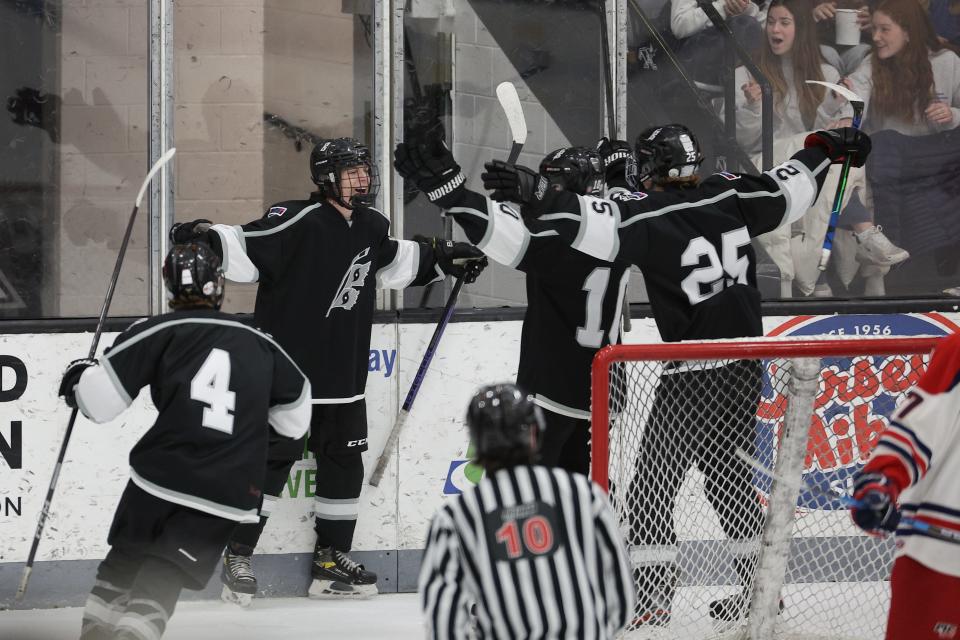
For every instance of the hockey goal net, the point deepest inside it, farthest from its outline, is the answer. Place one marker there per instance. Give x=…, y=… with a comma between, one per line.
x=724, y=462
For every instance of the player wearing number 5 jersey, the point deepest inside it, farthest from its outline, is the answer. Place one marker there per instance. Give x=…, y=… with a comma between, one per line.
x=199, y=470
x=691, y=240
x=573, y=300
x=530, y=552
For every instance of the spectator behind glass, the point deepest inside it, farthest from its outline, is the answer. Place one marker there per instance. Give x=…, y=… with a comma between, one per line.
x=849, y=57
x=788, y=57
x=910, y=82
x=701, y=46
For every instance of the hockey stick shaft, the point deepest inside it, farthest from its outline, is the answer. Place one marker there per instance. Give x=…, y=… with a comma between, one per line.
x=931, y=530
x=45, y=510
x=857, y=103
x=607, y=75
x=394, y=435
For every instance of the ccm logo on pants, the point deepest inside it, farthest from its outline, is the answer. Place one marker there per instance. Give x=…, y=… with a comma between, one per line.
x=357, y=443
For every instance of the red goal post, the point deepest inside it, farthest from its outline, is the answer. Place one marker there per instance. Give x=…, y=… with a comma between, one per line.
x=770, y=532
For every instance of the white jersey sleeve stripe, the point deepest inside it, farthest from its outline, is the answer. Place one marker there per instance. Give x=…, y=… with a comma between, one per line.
x=237, y=266
x=403, y=269
x=100, y=396
x=599, y=220
x=506, y=238
x=292, y=419
x=798, y=185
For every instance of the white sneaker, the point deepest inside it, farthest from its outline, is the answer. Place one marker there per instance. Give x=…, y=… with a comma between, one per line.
x=873, y=247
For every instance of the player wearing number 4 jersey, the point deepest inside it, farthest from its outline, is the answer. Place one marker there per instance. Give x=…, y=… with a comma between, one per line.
x=691, y=240
x=199, y=470
x=917, y=462
x=573, y=300
x=528, y=553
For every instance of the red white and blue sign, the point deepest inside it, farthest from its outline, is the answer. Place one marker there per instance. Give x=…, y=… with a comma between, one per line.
x=856, y=396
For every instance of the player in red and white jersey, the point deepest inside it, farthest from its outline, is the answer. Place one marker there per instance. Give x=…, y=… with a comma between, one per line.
x=917, y=464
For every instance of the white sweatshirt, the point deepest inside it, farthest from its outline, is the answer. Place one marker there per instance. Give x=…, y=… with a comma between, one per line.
x=686, y=18
x=946, y=82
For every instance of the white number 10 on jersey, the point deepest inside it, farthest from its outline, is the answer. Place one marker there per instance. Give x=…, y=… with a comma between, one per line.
x=211, y=386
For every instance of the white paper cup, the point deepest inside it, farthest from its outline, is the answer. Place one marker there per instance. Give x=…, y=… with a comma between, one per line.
x=848, y=31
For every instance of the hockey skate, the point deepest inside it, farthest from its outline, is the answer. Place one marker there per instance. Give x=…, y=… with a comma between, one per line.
x=335, y=575
x=656, y=586
x=727, y=613
x=239, y=583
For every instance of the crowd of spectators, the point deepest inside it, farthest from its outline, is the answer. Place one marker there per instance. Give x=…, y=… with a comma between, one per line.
x=903, y=208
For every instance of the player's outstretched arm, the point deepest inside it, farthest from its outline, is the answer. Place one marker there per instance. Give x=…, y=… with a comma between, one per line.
x=920, y=427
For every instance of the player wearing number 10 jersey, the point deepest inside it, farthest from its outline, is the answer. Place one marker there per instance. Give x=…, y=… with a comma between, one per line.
x=530, y=552
x=573, y=300
x=691, y=240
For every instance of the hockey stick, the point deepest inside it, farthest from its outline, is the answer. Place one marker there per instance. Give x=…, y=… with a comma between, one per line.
x=835, y=493
x=394, y=435
x=857, y=103
x=510, y=103
x=45, y=511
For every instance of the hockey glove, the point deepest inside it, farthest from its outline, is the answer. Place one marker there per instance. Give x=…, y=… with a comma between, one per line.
x=513, y=183
x=616, y=156
x=839, y=143
x=456, y=258
x=70, y=379
x=431, y=167
x=877, y=509
x=187, y=232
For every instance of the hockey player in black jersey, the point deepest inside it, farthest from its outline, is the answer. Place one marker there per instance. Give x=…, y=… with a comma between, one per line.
x=530, y=552
x=318, y=263
x=691, y=240
x=222, y=388
x=573, y=300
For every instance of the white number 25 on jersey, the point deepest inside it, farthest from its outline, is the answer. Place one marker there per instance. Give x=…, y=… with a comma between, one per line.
x=721, y=271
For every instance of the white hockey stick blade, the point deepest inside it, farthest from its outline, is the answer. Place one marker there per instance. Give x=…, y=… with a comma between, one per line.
x=162, y=160
x=510, y=101
x=840, y=89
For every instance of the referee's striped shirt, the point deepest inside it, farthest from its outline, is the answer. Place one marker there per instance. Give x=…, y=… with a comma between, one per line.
x=539, y=553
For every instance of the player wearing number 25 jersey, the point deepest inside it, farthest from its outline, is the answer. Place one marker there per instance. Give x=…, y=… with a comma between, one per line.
x=530, y=552
x=691, y=240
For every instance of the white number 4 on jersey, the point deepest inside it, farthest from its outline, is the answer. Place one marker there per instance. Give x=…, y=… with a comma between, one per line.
x=211, y=386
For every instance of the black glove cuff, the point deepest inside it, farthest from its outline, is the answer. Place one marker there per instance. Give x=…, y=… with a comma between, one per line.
x=448, y=187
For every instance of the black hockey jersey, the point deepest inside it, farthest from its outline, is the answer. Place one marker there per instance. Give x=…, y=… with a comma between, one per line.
x=217, y=384
x=573, y=300
x=537, y=550
x=318, y=275
x=693, y=244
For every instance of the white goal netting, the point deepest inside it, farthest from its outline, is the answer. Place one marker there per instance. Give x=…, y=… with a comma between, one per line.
x=724, y=463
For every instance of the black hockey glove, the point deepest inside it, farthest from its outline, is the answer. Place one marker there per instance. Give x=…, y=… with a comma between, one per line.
x=70, y=379
x=31, y=108
x=431, y=167
x=839, y=143
x=616, y=155
x=877, y=511
x=513, y=183
x=456, y=258
x=187, y=232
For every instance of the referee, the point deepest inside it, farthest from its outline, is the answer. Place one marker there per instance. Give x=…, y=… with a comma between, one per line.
x=530, y=552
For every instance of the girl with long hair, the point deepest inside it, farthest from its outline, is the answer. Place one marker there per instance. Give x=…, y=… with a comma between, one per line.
x=911, y=81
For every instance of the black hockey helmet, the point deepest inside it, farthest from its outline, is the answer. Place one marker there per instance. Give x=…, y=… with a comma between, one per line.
x=328, y=160
x=193, y=277
x=576, y=169
x=505, y=425
x=667, y=151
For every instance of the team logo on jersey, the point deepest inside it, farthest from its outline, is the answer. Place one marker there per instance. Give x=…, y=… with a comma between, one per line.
x=727, y=175
x=854, y=402
x=276, y=211
x=353, y=279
